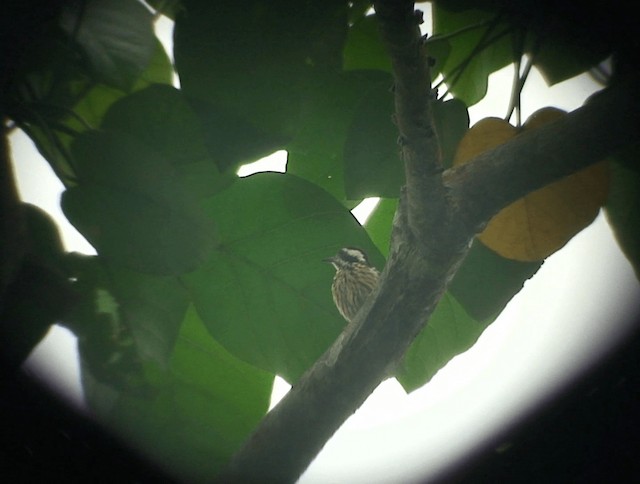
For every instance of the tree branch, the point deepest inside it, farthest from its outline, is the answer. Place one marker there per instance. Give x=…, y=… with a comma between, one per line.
x=399, y=26
x=432, y=230
x=498, y=177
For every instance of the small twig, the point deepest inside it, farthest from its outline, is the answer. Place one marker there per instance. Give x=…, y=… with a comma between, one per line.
x=520, y=78
x=518, y=82
x=460, y=31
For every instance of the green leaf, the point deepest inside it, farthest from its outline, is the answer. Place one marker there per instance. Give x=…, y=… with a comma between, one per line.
x=232, y=140
x=379, y=224
x=449, y=332
x=486, y=282
x=265, y=293
x=94, y=103
x=316, y=153
x=153, y=308
x=159, y=70
x=51, y=127
x=623, y=205
x=451, y=119
x=123, y=319
x=468, y=65
x=200, y=412
x=269, y=56
x=131, y=206
x=371, y=155
x=567, y=39
x=438, y=50
x=160, y=118
x=364, y=48
x=559, y=60
x=116, y=35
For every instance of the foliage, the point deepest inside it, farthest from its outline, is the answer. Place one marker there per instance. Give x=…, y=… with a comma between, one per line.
x=540, y=223
x=206, y=285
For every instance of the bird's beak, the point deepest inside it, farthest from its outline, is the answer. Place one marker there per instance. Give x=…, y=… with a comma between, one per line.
x=330, y=260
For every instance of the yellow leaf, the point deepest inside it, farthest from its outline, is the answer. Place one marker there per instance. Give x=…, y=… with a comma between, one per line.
x=543, y=221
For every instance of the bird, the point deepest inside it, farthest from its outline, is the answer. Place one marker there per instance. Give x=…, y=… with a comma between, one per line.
x=354, y=280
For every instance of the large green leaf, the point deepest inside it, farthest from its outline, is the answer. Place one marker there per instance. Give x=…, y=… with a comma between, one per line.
x=379, y=223
x=568, y=38
x=469, y=64
x=623, y=206
x=123, y=320
x=316, y=153
x=153, y=308
x=372, y=166
x=264, y=294
x=200, y=410
x=451, y=119
x=486, y=281
x=132, y=207
x=565, y=38
x=54, y=119
x=164, y=121
x=94, y=103
x=438, y=50
x=560, y=58
x=116, y=35
x=449, y=332
x=364, y=48
x=255, y=61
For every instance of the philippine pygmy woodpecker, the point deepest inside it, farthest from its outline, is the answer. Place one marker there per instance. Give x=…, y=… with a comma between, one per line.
x=354, y=280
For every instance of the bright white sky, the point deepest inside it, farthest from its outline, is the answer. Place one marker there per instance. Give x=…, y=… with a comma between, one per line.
x=573, y=310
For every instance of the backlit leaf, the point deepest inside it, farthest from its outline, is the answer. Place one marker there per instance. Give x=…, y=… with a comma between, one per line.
x=537, y=225
x=130, y=206
x=116, y=35
x=450, y=331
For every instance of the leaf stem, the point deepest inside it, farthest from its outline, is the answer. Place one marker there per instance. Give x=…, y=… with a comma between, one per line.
x=460, y=31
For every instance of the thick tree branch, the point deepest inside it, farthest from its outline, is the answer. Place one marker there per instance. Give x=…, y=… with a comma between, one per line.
x=399, y=25
x=496, y=178
x=426, y=250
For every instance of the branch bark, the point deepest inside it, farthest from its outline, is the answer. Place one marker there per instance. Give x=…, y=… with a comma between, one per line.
x=533, y=159
x=437, y=218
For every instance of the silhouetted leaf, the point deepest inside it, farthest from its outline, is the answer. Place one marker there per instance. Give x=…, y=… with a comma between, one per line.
x=486, y=281
x=451, y=119
x=160, y=118
x=269, y=56
x=450, y=331
x=372, y=165
x=132, y=208
x=316, y=153
x=116, y=35
x=468, y=66
x=364, y=48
